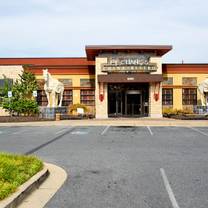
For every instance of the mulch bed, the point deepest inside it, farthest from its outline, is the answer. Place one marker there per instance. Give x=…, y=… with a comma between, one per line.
x=188, y=117
x=4, y=119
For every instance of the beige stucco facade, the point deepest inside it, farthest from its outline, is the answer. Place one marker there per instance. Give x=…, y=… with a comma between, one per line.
x=155, y=106
x=11, y=72
x=177, y=87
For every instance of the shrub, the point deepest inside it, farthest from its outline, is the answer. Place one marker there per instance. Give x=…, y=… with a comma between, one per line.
x=22, y=106
x=168, y=112
x=73, y=108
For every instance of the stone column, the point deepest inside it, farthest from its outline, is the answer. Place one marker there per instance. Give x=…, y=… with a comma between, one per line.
x=101, y=107
x=155, y=107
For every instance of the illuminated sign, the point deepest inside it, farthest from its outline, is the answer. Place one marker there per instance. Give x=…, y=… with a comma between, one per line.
x=130, y=63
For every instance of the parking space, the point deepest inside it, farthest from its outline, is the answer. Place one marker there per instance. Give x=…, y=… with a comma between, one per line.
x=22, y=139
x=120, y=166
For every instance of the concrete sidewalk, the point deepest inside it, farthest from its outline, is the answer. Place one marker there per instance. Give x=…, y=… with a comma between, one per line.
x=47, y=189
x=114, y=122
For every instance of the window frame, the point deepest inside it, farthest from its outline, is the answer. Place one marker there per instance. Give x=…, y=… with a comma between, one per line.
x=165, y=100
x=188, y=98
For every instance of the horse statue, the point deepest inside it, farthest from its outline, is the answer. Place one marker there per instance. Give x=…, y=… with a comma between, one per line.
x=203, y=89
x=54, y=88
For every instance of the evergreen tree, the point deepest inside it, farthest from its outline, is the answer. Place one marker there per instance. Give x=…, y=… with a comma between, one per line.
x=22, y=101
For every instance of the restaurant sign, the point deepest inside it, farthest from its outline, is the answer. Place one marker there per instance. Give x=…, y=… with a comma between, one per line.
x=134, y=63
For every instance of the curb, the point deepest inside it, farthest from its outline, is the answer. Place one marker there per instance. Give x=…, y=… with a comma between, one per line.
x=25, y=189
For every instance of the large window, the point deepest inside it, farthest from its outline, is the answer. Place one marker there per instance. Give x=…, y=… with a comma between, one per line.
x=87, y=97
x=3, y=82
x=167, y=96
x=42, y=99
x=189, y=96
x=67, y=98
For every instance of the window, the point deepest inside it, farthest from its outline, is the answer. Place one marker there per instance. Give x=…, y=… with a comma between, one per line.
x=167, y=96
x=189, y=81
x=167, y=81
x=87, y=83
x=87, y=97
x=66, y=82
x=3, y=82
x=41, y=98
x=67, y=98
x=189, y=96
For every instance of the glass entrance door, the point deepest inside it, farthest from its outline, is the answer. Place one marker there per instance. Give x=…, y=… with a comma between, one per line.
x=115, y=104
x=128, y=100
x=133, y=100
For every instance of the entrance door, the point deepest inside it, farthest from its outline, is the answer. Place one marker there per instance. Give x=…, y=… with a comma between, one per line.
x=133, y=100
x=115, y=103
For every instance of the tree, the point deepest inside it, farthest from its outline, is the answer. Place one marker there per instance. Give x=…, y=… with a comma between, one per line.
x=22, y=101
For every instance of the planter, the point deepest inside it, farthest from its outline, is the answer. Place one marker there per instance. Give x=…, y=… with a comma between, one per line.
x=4, y=119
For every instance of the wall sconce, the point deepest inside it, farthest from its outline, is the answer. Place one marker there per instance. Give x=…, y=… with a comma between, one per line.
x=157, y=91
x=101, y=91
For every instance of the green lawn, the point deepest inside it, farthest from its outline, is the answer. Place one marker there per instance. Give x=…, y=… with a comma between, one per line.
x=15, y=170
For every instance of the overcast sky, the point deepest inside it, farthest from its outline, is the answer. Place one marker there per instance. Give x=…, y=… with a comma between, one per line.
x=54, y=28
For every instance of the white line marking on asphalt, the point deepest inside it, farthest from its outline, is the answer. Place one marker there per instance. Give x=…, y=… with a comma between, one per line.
x=150, y=131
x=105, y=130
x=197, y=130
x=58, y=132
x=1, y=132
x=79, y=132
x=168, y=188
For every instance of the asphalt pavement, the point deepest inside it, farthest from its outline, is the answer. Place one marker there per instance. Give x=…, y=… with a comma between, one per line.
x=120, y=166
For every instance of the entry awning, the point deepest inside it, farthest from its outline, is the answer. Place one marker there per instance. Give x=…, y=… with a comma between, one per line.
x=130, y=78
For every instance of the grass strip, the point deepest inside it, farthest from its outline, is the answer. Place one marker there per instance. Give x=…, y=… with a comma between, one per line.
x=15, y=170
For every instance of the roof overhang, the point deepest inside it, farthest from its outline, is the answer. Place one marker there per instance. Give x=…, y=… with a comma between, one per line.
x=94, y=50
x=130, y=78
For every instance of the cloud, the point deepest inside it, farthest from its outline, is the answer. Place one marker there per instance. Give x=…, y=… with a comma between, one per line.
x=63, y=28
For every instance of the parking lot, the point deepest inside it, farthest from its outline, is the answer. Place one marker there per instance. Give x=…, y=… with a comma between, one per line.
x=120, y=166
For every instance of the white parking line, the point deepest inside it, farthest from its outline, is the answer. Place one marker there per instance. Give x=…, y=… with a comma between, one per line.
x=168, y=188
x=105, y=130
x=197, y=130
x=1, y=132
x=79, y=132
x=58, y=132
x=150, y=131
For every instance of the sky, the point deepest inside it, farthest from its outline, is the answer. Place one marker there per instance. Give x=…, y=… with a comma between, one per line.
x=62, y=28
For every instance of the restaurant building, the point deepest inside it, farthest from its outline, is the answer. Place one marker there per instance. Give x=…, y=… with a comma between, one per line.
x=117, y=80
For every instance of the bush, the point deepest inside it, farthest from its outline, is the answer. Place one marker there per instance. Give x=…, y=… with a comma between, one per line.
x=22, y=106
x=73, y=108
x=168, y=112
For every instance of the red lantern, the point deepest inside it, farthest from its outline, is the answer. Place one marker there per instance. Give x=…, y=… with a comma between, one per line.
x=157, y=91
x=101, y=92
